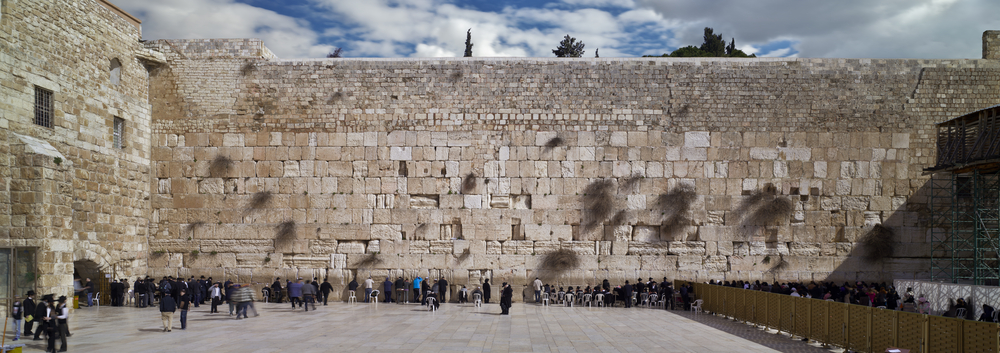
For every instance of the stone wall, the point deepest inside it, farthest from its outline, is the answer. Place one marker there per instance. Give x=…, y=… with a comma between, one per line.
x=66, y=189
x=473, y=168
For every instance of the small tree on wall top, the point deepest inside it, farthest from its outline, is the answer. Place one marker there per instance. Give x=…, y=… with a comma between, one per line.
x=468, y=43
x=569, y=48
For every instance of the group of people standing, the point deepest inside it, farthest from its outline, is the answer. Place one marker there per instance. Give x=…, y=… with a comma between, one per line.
x=49, y=314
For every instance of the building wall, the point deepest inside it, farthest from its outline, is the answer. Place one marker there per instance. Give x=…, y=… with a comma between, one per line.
x=472, y=168
x=91, y=205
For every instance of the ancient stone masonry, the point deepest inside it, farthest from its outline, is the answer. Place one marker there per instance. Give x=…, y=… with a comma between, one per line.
x=214, y=157
x=481, y=168
x=68, y=190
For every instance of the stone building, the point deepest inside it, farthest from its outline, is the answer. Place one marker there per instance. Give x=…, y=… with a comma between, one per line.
x=245, y=166
x=74, y=144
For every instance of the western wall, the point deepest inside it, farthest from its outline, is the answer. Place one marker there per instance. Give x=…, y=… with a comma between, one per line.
x=216, y=158
x=574, y=170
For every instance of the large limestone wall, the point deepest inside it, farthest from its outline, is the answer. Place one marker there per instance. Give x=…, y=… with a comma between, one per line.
x=478, y=168
x=93, y=204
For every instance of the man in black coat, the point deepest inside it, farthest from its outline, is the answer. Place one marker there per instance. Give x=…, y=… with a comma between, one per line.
x=486, y=291
x=326, y=288
x=41, y=311
x=28, y=307
x=627, y=294
x=506, y=298
x=443, y=290
x=167, y=308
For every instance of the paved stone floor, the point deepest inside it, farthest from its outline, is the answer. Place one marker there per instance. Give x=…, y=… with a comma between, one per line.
x=389, y=327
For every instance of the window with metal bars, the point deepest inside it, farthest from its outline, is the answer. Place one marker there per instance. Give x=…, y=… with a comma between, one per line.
x=119, y=132
x=43, y=107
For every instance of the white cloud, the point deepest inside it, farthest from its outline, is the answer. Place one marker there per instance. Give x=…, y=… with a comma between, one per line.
x=287, y=37
x=845, y=28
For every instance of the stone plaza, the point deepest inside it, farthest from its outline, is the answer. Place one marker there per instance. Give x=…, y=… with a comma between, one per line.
x=361, y=327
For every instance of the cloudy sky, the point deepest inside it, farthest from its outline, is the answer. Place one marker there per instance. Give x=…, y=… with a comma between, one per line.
x=619, y=28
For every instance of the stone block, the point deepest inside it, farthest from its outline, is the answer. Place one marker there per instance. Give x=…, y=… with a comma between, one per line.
x=581, y=247
x=690, y=263
x=208, y=260
x=648, y=248
x=386, y=231
x=619, y=247
x=697, y=139
x=687, y=248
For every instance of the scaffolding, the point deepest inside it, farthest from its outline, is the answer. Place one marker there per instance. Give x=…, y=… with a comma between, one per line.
x=965, y=200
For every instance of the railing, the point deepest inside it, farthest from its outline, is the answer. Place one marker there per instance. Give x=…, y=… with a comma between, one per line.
x=855, y=327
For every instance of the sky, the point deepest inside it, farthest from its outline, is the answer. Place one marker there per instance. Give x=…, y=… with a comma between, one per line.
x=932, y=29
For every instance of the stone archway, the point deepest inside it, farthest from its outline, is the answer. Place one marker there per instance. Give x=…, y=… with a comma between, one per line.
x=94, y=262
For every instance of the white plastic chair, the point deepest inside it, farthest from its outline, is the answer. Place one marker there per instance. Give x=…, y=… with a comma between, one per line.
x=588, y=299
x=569, y=299
x=960, y=313
x=477, y=299
x=97, y=299
x=696, y=307
x=560, y=297
x=352, y=299
x=651, y=300
x=545, y=298
x=599, y=298
x=644, y=299
x=634, y=299
x=129, y=297
x=374, y=297
x=430, y=304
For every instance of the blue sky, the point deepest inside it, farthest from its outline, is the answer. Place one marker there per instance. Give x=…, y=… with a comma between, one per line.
x=620, y=28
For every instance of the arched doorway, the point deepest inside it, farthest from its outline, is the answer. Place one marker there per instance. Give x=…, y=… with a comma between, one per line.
x=88, y=269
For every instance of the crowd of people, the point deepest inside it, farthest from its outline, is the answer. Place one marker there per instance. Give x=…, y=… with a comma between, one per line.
x=628, y=295
x=879, y=295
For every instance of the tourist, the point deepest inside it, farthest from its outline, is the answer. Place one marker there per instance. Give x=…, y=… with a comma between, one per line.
x=387, y=290
x=295, y=293
x=400, y=286
x=216, y=297
x=424, y=288
x=184, y=305
x=353, y=286
x=443, y=289
x=479, y=291
x=194, y=291
x=538, y=290
x=325, y=289
x=417, y=282
x=276, y=290
x=62, y=314
x=505, y=299
x=230, y=290
x=486, y=291
x=463, y=295
x=167, y=309
x=16, y=313
x=308, y=296
x=250, y=298
x=369, y=284
x=89, y=290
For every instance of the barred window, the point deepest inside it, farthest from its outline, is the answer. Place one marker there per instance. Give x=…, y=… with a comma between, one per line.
x=43, y=107
x=119, y=132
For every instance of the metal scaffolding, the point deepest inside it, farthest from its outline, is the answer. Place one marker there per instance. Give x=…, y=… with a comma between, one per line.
x=965, y=211
x=965, y=200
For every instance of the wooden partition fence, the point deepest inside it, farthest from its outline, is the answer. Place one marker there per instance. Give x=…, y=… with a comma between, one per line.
x=855, y=327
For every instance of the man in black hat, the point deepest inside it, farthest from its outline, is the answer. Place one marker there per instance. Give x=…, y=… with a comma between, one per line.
x=28, y=306
x=505, y=299
x=41, y=312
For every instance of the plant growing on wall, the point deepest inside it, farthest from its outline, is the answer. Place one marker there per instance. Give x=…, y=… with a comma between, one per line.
x=674, y=206
x=191, y=227
x=553, y=143
x=558, y=262
x=469, y=183
x=762, y=208
x=258, y=201
x=569, y=48
x=598, y=204
x=284, y=232
x=220, y=166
